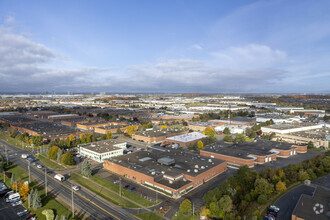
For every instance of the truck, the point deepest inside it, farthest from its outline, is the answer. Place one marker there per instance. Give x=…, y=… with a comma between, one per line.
x=59, y=177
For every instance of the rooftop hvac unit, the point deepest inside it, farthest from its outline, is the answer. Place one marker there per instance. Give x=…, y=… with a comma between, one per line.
x=202, y=167
x=170, y=181
x=210, y=160
x=163, y=172
x=196, y=166
x=153, y=173
x=212, y=156
x=195, y=170
x=188, y=171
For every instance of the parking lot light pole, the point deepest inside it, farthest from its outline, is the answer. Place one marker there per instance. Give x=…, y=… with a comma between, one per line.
x=29, y=172
x=72, y=202
x=46, y=181
x=120, y=186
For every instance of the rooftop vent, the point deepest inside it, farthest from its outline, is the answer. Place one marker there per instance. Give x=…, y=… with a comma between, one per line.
x=195, y=170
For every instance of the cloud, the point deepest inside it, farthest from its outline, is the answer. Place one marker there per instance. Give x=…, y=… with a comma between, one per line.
x=196, y=47
x=250, y=56
x=10, y=20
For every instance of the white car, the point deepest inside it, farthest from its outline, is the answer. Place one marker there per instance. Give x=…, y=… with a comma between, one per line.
x=16, y=203
x=24, y=212
x=24, y=156
x=116, y=181
x=39, y=166
x=75, y=188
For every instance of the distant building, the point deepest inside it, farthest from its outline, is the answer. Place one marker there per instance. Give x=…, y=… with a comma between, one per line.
x=102, y=150
x=185, y=140
x=156, y=136
x=200, y=126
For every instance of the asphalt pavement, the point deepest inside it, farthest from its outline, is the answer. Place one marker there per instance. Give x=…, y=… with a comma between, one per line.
x=86, y=203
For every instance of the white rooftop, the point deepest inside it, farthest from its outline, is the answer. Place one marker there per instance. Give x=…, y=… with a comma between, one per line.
x=187, y=137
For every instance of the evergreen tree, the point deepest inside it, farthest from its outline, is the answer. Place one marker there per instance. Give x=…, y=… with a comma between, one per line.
x=12, y=180
x=59, y=155
x=86, y=169
x=36, y=202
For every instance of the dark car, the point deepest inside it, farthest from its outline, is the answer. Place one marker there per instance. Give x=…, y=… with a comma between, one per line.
x=126, y=186
x=271, y=212
x=132, y=188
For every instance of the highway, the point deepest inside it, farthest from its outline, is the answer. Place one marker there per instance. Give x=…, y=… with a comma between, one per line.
x=86, y=203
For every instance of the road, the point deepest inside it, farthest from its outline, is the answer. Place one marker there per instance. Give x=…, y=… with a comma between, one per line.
x=86, y=203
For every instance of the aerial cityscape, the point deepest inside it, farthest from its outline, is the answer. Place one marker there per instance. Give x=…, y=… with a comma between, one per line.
x=155, y=110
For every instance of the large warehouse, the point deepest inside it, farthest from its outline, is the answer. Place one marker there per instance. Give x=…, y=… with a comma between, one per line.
x=251, y=153
x=172, y=173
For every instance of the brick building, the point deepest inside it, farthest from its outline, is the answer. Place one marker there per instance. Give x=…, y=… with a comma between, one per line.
x=156, y=136
x=17, y=120
x=251, y=153
x=200, y=126
x=172, y=173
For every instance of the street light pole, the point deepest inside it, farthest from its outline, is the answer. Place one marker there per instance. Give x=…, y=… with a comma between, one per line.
x=6, y=154
x=72, y=202
x=46, y=181
x=29, y=172
x=120, y=186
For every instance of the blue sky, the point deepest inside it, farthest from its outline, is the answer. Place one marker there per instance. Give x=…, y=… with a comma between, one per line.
x=165, y=46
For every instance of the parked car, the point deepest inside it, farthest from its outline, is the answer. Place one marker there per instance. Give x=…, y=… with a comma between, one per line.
x=75, y=188
x=126, y=186
x=16, y=203
x=274, y=208
x=24, y=156
x=22, y=213
x=132, y=188
x=39, y=166
x=116, y=181
x=30, y=217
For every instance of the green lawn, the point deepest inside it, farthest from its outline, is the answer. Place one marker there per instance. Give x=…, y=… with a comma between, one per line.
x=103, y=192
x=49, y=163
x=125, y=192
x=48, y=202
x=148, y=216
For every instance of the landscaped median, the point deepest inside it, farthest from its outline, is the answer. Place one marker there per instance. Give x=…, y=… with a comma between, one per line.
x=110, y=191
x=48, y=162
x=48, y=202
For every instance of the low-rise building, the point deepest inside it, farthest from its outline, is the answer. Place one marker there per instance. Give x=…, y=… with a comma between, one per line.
x=251, y=153
x=172, y=173
x=185, y=140
x=156, y=136
x=313, y=207
x=17, y=120
x=247, y=121
x=200, y=126
x=102, y=150
x=63, y=117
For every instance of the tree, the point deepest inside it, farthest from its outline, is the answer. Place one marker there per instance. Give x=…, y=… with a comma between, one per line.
x=109, y=135
x=303, y=175
x=228, y=138
x=36, y=140
x=59, y=155
x=262, y=186
x=239, y=138
x=225, y=203
x=130, y=130
x=163, y=127
x=226, y=130
x=205, y=211
x=280, y=186
x=68, y=159
x=209, y=131
x=185, y=206
x=262, y=199
x=49, y=214
x=36, y=200
x=12, y=180
x=200, y=145
x=52, y=152
x=86, y=169
x=310, y=144
x=25, y=189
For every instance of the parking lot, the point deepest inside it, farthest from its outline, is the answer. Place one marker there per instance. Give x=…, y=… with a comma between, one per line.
x=8, y=212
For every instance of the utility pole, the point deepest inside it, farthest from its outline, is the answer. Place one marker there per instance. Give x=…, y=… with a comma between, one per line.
x=156, y=196
x=16, y=185
x=4, y=176
x=120, y=186
x=6, y=154
x=46, y=181
x=72, y=202
x=29, y=172
x=193, y=209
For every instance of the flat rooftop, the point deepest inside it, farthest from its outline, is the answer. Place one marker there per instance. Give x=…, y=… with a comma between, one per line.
x=63, y=116
x=244, y=149
x=187, y=137
x=286, y=126
x=49, y=129
x=203, y=124
x=318, y=134
x=17, y=119
x=185, y=163
x=157, y=133
x=102, y=146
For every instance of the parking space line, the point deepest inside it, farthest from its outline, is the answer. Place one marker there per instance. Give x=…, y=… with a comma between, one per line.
x=4, y=208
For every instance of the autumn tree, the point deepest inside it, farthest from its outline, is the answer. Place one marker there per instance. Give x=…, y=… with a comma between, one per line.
x=163, y=127
x=280, y=186
x=209, y=131
x=109, y=135
x=24, y=190
x=200, y=145
x=185, y=207
x=68, y=159
x=52, y=152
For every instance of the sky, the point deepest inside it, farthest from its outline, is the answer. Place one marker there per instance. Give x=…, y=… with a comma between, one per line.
x=163, y=46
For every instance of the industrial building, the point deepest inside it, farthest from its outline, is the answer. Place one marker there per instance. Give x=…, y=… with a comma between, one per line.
x=102, y=150
x=172, y=173
x=156, y=136
x=17, y=120
x=251, y=153
x=200, y=126
x=247, y=121
x=185, y=140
